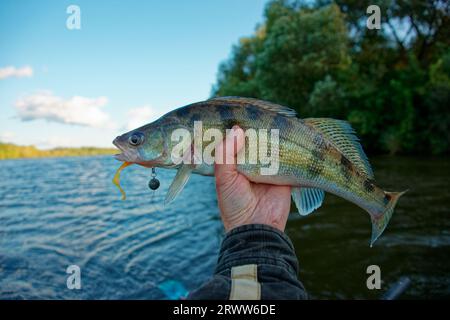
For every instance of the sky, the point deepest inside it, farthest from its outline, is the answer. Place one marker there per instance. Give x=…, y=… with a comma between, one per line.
x=128, y=64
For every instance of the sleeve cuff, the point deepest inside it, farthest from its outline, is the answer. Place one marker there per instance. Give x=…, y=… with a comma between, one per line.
x=257, y=244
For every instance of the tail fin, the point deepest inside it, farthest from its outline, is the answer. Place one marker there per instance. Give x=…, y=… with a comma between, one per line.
x=380, y=221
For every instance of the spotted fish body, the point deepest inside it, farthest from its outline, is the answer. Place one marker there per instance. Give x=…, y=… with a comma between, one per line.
x=315, y=155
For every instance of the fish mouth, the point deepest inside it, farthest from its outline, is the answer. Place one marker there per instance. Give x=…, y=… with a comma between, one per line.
x=124, y=155
x=121, y=157
x=131, y=155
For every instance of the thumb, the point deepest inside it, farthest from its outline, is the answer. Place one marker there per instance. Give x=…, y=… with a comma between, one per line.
x=225, y=156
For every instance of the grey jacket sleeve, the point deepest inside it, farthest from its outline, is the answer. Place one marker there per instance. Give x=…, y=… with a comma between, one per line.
x=273, y=254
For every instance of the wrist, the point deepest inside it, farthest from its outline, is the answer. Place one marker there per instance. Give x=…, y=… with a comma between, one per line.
x=276, y=225
x=276, y=221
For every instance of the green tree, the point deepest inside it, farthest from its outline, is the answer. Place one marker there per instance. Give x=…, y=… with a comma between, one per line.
x=321, y=59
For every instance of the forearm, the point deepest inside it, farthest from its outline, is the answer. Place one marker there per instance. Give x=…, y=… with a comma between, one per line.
x=263, y=250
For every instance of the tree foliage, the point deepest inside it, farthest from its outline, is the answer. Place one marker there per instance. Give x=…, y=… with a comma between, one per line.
x=321, y=59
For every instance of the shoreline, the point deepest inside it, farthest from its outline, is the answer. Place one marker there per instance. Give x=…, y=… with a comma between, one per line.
x=10, y=151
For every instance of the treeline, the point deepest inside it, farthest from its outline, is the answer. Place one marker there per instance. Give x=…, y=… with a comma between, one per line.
x=12, y=151
x=392, y=84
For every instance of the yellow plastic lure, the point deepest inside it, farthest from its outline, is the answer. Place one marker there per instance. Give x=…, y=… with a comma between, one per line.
x=116, y=179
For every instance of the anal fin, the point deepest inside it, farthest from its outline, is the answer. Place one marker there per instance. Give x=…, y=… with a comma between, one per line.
x=307, y=199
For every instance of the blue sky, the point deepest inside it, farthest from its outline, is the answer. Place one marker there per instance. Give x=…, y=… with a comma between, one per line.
x=130, y=62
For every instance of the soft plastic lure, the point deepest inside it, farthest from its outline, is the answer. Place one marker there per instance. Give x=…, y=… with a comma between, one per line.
x=116, y=179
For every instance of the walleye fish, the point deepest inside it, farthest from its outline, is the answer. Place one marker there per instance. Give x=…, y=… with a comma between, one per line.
x=315, y=154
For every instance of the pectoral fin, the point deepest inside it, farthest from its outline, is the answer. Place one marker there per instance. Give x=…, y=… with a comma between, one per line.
x=307, y=199
x=178, y=183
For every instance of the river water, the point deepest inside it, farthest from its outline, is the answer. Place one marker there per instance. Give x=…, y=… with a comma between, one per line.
x=65, y=211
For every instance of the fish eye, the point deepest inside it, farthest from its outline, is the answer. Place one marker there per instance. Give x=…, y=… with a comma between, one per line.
x=136, y=139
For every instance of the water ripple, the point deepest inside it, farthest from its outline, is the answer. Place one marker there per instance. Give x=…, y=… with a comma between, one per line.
x=58, y=212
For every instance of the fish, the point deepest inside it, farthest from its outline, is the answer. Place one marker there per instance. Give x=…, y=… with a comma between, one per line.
x=315, y=155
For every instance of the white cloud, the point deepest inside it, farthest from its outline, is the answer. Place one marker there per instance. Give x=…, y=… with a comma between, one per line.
x=54, y=142
x=76, y=110
x=10, y=71
x=140, y=116
x=7, y=136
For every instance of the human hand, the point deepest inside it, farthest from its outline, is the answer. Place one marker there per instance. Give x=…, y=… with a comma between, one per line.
x=242, y=201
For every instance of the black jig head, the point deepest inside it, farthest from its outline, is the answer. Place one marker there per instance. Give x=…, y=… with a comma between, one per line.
x=153, y=183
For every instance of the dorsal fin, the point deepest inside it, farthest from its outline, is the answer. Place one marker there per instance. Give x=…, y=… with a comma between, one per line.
x=285, y=111
x=343, y=137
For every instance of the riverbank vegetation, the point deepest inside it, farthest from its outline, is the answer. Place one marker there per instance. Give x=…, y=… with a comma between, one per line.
x=319, y=57
x=12, y=151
